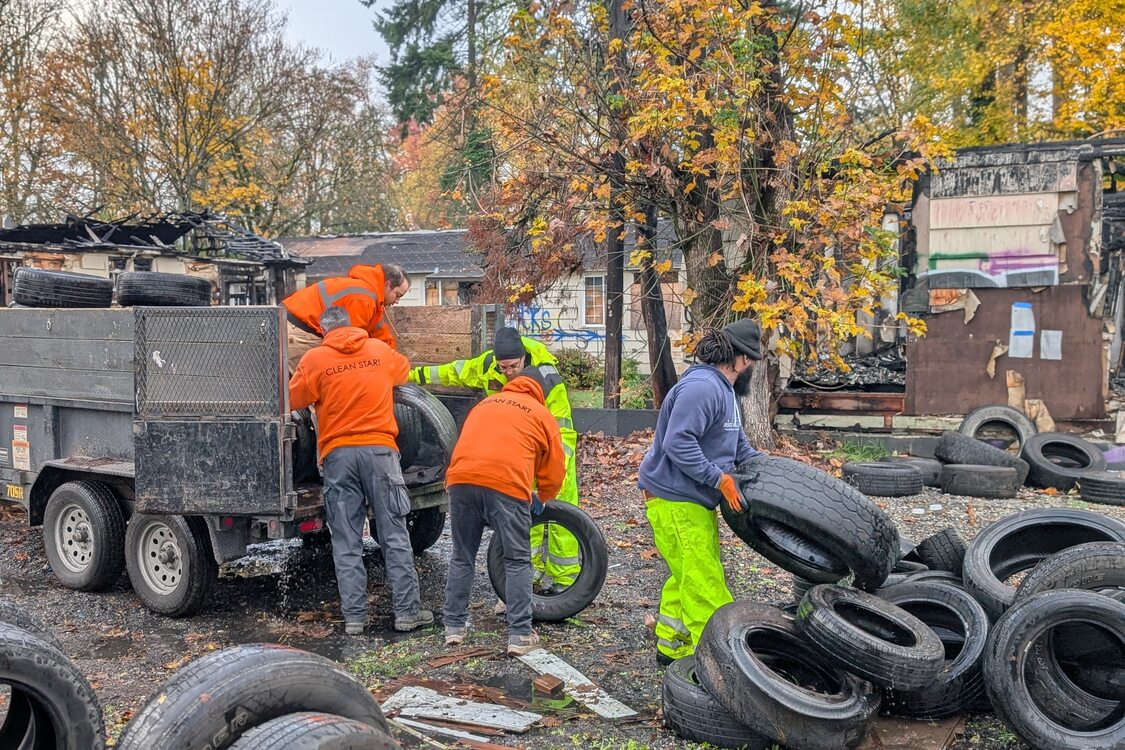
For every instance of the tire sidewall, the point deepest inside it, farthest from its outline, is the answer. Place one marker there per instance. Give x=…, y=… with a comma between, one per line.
x=105, y=534
x=198, y=565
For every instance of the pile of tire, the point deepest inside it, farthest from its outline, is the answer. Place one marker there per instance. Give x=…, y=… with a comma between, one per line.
x=259, y=697
x=939, y=631
x=51, y=706
x=38, y=287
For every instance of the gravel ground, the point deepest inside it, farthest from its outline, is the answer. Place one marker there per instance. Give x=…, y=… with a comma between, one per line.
x=286, y=594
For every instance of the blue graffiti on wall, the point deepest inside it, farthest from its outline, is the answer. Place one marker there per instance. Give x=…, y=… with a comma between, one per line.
x=535, y=322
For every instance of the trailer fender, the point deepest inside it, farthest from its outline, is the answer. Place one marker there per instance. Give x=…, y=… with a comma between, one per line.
x=112, y=472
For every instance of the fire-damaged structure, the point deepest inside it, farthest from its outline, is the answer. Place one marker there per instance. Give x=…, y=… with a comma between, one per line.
x=243, y=268
x=1013, y=256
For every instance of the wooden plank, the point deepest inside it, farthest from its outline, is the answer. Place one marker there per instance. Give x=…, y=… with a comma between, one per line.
x=994, y=211
x=77, y=384
x=112, y=325
x=991, y=242
x=423, y=703
x=75, y=354
x=444, y=731
x=548, y=684
x=845, y=401
x=578, y=685
x=468, y=653
x=424, y=348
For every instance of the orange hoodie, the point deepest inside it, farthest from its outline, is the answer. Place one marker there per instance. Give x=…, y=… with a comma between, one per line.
x=510, y=443
x=360, y=293
x=349, y=377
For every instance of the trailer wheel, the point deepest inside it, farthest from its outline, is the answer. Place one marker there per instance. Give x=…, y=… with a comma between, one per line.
x=170, y=562
x=425, y=526
x=83, y=535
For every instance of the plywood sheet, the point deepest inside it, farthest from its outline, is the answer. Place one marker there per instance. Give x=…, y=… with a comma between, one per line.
x=994, y=211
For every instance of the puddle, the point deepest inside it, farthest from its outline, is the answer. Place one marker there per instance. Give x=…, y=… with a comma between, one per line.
x=520, y=688
x=113, y=647
x=18, y=585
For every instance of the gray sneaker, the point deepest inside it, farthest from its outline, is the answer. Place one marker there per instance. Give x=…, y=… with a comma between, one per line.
x=408, y=623
x=353, y=628
x=455, y=636
x=520, y=645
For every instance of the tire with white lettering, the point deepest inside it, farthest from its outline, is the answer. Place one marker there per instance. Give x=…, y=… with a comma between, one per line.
x=213, y=701
x=162, y=289
x=882, y=479
x=594, y=561
x=37, y=287
x=694, y=714
x=955, y=448
x=1058, y=460
x=314, y=731
x=431, y=433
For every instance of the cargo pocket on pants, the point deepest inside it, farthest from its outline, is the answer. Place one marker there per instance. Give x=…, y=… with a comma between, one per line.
x=398, y=498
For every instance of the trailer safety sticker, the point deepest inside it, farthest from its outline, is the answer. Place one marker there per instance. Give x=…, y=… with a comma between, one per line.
x=21, y=411
x=19, y=432
x=21, y=455
x=15, y=492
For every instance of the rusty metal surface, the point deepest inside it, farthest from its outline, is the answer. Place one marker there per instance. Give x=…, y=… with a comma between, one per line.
x=946, y=374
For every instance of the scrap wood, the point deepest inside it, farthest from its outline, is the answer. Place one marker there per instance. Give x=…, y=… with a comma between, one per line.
x=424, y=703
x=578, y=686
x=548, y=683
x=469, y=653
x=463, y=738
x=468, y=690
x=466, y=727
x=398, y=724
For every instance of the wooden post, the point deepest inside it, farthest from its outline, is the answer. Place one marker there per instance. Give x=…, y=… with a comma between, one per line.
x=615, y=242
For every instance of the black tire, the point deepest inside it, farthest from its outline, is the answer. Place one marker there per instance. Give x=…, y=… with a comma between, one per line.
x=1008, y=654
x=84, y=536
x=944, y=550
x=882, y=479
x=800, y=586
x=306, y=470
x=870, y=637
x=1104, y=487
x=425, y=526
x=170, y=562
x=936, y=576
x=46, y=686
x=985, y=418
x=216, y=699
x=906, y=547
x=691, y=712
x=969, y=480
x=314, y=731
x=437, y=430
x=591, y=549
x=906, y=567
x=16, y=616
x=1059, y=460
x=1021, y=541
x=35, y=287
x=812, y=524
x=162, y=289
x=409, y=439
x=961, y=624
x=955, y=448
x=929, y=468
x=751, y=658
x=1056, y=695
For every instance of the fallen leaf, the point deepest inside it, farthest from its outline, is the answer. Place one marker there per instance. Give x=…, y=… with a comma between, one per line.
x=650, y=554
x=178, y=662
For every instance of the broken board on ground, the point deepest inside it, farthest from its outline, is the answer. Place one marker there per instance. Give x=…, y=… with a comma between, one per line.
x=578, y=685
x=423, y=703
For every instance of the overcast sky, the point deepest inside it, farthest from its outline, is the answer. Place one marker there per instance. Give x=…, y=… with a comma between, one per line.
x=340, y=27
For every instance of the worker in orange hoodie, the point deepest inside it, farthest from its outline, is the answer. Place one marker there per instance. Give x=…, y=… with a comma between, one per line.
x=364, y=293
x=350, y=378
x=492, y=482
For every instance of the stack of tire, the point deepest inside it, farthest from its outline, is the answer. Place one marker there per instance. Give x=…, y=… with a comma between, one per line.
x=37, y=287
x=259, y=697
x=51, y=706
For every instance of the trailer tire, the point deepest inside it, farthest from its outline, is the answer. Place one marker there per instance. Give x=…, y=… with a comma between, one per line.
x=981, y=417
x=37, y=287
x=694, y=714
x=49, y=691
x=308, y=730
x=437, y=432
x=425, y=526
x=1021, y=541
x=756, y=664
x=955, y=448
x=882, y=479
x=16, y=616
x=944, y=550
x=973, y=480
x=929, y=468
x=170, y=562
x=591, y=549
x=213, y=701
x=1104, y=487
x=84, y=536
x=1041, y=450
x=162, y=289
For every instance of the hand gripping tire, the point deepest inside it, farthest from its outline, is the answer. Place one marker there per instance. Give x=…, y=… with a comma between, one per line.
x=986, y=417
x=436, y=435
x=962, y=626
x=929, y=468
x=751, y=658
x=1059, y=460
x=315, y=731
x=870, y=637
x=692, y=713
x=812, y=524
x=16, y=616
x=955, y=448
x=1104, y=487
x=162, y=289
x=36, y=287
x=1020, y=541
x=944, y=550
x=973, y=480
x=1006, y=661
x=216, y=699
x=882, y=479
x=587, y=585
x=48, y=690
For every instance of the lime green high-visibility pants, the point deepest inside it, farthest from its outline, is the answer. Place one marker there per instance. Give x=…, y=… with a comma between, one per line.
x=557, y=555
x=687, y=536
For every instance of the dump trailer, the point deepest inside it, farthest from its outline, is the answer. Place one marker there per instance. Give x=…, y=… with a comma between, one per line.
x=160, y=440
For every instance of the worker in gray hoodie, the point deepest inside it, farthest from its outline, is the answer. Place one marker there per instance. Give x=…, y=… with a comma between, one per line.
x=688, y=471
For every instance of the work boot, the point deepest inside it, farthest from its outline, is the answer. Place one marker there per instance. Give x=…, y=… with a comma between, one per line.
x=413, y=622
x=354, y=628
x=663, y=659
x=455, y=636
x=521, y=645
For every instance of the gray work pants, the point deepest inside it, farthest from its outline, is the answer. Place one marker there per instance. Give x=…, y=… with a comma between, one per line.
x=355, y=478
x=471, y=508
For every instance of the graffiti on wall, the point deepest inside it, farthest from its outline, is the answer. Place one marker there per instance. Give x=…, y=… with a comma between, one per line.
x=536, y=322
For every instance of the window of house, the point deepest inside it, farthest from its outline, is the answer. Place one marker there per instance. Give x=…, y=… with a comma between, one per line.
x=594, y=301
